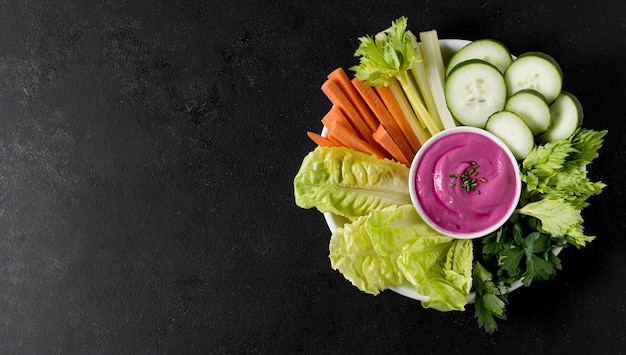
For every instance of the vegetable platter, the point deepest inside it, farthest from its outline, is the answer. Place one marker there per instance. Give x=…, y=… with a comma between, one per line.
x=408, y=89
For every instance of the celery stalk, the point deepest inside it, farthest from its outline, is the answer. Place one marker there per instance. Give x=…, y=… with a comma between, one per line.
x=407, y=110
x=421, y=78
x=434, y=66
x=412, y=94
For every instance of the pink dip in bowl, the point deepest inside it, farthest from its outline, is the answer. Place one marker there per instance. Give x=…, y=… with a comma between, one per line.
x=464, y=182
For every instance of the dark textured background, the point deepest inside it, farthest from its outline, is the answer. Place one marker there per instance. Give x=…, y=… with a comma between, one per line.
x=147, y=153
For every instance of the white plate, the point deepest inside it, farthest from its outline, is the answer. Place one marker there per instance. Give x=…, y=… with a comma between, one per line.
x=448, y=48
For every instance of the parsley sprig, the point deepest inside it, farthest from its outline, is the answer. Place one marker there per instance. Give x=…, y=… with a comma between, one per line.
x=491, y=298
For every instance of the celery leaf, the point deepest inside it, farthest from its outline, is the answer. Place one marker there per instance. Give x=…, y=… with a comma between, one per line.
x=586, y=142
x=544, y=160
x=385, y=56
x=557, y=216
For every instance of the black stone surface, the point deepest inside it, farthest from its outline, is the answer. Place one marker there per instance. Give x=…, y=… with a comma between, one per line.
x=147, y=153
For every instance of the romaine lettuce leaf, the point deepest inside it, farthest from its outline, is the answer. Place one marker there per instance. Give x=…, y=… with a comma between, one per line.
x=440, y=268
x=395, y=227
x=402, y=246
x=458, y=266
x=352, y=254
x=350, y=183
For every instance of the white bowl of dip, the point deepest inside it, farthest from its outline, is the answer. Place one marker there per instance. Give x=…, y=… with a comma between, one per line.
x=464, y=182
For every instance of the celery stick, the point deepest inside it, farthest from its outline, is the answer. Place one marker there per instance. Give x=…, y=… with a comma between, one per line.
x=421, y=78
x=407, y=110
x=434, y=66
x=412, y=95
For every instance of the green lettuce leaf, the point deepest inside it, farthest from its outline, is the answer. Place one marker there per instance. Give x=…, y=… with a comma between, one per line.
x=429, y=264
x=394, y=228
x=393, y=245
x=352, y=254
x=439, y=267
x=458, y=266
x=350, y=183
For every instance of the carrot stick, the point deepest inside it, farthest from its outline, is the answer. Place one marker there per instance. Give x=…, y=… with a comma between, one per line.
x=386, y=141
x=319, y=140
x=339, y=99
x=335, y=115
x=350, y=140
x=385, y=118
x=340, y=77
x=395, y=110
x=331, y=137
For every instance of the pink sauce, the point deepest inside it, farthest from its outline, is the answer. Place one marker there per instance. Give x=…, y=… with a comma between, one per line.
x=466, y=183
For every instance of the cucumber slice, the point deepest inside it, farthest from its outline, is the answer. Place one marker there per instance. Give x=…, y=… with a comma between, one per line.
x=535, y=70
x=513, y=131
x=532, y=107
x=489, y=50
x=474, y=90
x=567, y=116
